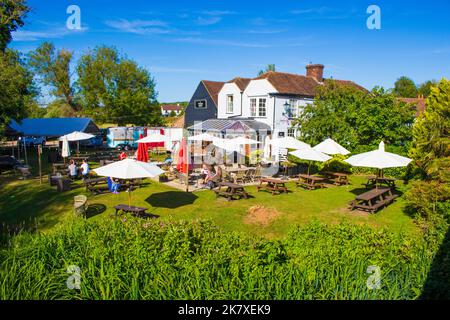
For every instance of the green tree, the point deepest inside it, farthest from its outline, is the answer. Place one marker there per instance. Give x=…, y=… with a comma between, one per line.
x=12, y=14
x=406, y=88
x=16, y=88
x=425, y=88
x=355, y=118
x=53, y=69
x=115, y=89
x=269, y=67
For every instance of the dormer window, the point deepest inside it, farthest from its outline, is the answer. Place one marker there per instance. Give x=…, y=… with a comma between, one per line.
x=230, y=103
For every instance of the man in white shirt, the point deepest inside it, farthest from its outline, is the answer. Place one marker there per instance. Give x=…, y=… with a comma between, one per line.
x=85, y=169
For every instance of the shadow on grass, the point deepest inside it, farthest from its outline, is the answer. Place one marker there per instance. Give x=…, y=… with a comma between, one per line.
x=171, y=199
x=95, y=209
x=437, y=284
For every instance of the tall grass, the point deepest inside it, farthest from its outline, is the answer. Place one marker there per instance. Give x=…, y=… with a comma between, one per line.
x=135, y=259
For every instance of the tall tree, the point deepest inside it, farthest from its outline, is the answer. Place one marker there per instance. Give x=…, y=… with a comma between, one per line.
x=425, y=88
x=12, y=13
x=406, y=88
x=354, y=118
x=115, y=89
x=269, y=67
x=16, y=88
x=53, y=69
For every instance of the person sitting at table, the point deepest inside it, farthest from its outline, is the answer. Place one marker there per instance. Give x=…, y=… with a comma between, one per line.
x=168, y=159
x=212, y=181
x=73, y=170
x=85, y=169
x=113, y=185
x=206, y=173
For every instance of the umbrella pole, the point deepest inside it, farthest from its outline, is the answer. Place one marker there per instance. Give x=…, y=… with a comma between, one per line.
x=129, y=197
x=309, y=165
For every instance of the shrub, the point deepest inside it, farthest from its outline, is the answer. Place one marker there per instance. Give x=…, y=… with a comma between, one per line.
x=138, y=259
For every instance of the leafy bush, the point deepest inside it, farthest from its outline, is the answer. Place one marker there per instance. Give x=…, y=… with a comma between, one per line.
x=136, y=259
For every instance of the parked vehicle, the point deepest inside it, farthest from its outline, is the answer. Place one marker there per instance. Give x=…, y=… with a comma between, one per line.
x=119, y=137
x=9, y=163
x=97, y=141
x=32, y=141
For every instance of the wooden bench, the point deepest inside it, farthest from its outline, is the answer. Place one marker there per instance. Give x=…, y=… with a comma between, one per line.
x=97, y=185
x=337, y=178
x=310, y=182
x=373, y=200
x=232, y=190
x=275, y=186
x=374, y=181
x=137, y=211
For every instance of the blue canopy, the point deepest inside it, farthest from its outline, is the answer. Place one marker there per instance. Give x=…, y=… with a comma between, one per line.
x=54, y=127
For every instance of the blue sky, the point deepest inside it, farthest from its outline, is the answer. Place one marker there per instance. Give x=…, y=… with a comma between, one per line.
x=184, y=41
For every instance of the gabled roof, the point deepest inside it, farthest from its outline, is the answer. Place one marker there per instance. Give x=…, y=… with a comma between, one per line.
x=53, y=127
x=296, y=84
x=213, y=88
x=242, y=83
x=222, y=125
x=171, y=107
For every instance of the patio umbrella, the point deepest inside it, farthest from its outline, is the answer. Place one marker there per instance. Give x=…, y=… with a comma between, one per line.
x=311, y=155
x=155, y=137
x=129, y=169
x=65, y=148
x=233, y=144
x=329, y=146
x=77, y=136
x=142, y=152
x=183, y=162
x=378, y=159
x=202, y=137
x=289, y=143
x=267, y=148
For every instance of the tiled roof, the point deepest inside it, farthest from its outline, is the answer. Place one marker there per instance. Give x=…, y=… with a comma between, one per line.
x=170, y=107
x=213, y=88
x=222, y=125
x=242, y=83
x=289, y=83
x=419, y=103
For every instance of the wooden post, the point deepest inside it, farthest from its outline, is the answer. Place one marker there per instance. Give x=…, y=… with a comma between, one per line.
x=40, y=162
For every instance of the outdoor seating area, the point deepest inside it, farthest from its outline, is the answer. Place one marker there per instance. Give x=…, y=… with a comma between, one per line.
x=373, y=200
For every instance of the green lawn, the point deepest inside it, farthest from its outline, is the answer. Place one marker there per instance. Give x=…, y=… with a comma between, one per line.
x=42, y=207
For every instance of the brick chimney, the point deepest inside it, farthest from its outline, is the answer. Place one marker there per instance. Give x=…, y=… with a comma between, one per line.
x=315, y=71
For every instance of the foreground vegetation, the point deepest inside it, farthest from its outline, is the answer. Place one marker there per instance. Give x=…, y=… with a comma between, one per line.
x=136, y=259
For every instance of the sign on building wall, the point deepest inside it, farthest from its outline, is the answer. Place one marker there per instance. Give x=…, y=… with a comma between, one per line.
x=200, y=104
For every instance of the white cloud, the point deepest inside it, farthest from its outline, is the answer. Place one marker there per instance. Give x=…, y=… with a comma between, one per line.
x=221, y=42
x=139, y=26
x=25, y=35
x=207, y=21
x=319, y=10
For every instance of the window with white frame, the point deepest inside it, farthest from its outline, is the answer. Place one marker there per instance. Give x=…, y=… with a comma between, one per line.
x=230, y=103
x=293, y=106
x=253, y=107
x=262, y=107
x=291, y=132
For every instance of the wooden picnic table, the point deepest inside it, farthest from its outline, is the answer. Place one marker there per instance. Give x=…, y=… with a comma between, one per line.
x=137, y=211
x=338, y=178
x=97, y=185
x=231, y=190
x=375, y=181
x=309, y=182
x=275, y=186
x=373, y=200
